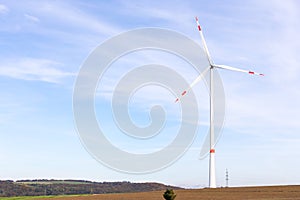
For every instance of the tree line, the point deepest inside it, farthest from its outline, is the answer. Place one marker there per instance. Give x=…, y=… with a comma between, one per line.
x=68, y=187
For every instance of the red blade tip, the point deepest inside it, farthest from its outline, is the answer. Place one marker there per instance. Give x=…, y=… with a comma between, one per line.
x=176, y=100
x=184, y=92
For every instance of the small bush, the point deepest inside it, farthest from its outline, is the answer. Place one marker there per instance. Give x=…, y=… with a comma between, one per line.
x=169, y=194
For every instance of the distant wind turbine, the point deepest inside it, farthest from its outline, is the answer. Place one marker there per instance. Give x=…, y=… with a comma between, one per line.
x=212, y=66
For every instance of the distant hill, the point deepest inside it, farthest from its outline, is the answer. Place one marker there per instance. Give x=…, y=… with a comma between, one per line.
x=65, y=187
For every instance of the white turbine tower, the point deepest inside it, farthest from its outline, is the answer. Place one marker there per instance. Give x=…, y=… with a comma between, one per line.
x=212, y=169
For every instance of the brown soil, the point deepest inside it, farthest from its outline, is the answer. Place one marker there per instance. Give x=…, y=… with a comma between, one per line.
x=242, y=193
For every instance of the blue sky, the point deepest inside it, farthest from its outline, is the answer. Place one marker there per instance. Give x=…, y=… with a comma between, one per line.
x=44, y=43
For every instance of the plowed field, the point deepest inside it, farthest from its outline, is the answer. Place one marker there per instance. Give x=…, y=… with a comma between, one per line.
x=243, y=193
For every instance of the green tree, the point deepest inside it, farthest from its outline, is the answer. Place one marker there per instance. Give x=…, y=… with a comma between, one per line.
x=169, y=194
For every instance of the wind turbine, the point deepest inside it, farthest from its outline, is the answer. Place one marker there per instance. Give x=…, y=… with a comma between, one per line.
x=212, y=67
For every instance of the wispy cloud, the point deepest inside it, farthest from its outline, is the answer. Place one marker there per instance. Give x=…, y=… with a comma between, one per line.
x=34, y=69
x=161, y=14
x=270, y=43
x=60, y=21
x=62, y=13
x=31, y=18
x=3, y=9
x=124, y=66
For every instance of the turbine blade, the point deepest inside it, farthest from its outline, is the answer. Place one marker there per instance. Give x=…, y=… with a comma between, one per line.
x=199, y=78
x=203, y=42
x=236, y=69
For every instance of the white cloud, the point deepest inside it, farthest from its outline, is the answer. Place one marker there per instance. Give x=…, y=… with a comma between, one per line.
x=163, y=14
x=34, y=69
x=266, y=37
x=123, y=66
x=62, y=13
x=3, y=9
x=60, y=20
x=283, y=44
x=31, y=18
